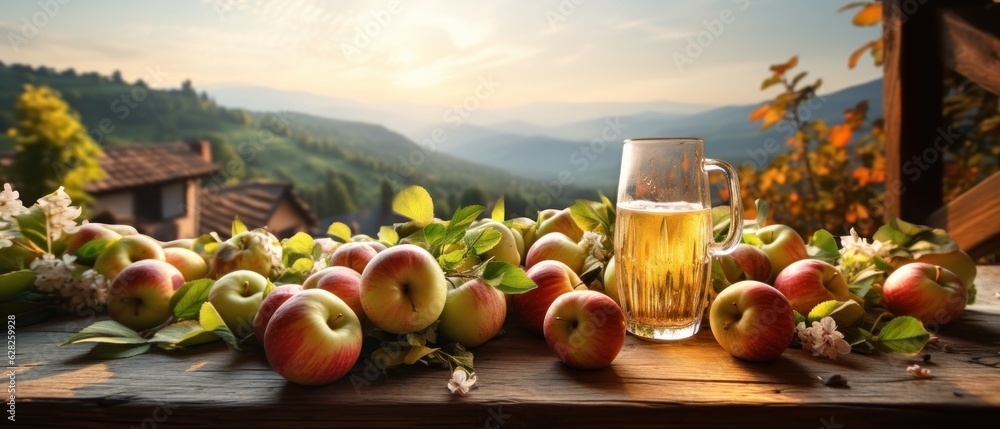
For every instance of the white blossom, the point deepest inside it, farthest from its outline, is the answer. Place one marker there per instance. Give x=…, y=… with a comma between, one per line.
x=10, y=203
x=823, y=339
x=461, y=381
x=89, y=290
x=59, y=212
x=7, y=236
x=51, y=273
x=918, y=372
x=855, y=245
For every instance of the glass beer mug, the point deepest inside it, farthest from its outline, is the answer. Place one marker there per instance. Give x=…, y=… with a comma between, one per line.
x=663, y=234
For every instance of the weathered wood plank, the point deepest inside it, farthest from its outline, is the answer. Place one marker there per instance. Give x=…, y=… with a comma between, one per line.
x=692, y=383
x=970, y=36
x=971, y=218
x=912, y=102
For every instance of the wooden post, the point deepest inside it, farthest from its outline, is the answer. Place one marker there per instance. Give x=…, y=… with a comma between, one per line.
x=912, y=101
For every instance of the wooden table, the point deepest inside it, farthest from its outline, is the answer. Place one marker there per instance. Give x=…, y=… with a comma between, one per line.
x=521, y=383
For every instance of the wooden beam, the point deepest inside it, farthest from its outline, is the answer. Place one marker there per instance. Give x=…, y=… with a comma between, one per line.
x=912, y=99
x=973, y=218
x=970, y=46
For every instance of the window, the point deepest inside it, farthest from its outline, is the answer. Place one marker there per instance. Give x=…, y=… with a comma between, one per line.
x=161, y=202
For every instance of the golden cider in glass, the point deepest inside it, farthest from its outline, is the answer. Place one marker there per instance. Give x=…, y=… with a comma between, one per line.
x=663, y=266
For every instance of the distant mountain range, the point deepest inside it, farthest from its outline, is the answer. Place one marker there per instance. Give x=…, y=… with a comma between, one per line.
x=570, y=135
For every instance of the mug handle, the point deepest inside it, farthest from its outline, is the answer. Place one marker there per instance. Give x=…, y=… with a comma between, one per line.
x=735, y=207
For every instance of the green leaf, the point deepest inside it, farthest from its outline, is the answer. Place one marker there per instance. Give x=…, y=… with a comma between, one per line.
x=174, y=333
x=211, y=321
x=972, y=295
x=498, y=213
x=238, y=226
x=187, y=301
x=297, y=246
x=482, y=240
x=88, y=252
x=416, y=353
x=297, y=272
x=719, y=280
x=904, y=335
x=117, y=351
x=106, y=331
x=585, y=214
x=459, y=355
x=797, y=78
x=864, y=281
x=434, y=234
x=774, y=79
x=509, y=278
x=268, y=289
x=33, y=226
x=762, y=210
x=721, y=219
x=388, y=235
x=15, y=283
x=823, y=246
x=799, y=318
x=339, y=230
x=463, y=218
x=415, y=204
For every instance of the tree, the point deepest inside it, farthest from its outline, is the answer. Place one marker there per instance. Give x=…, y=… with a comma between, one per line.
x=224, y=155
x=473, y=195
x=188, y=88
x=116, y=78
x=52, y=147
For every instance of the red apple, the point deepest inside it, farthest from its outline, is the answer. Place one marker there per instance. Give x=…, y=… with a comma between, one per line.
x=955, y=261
x=746, y=263
x=473, y=313
x=139, y=296
x=124, y=252
x=809, y=282
x=557, y=247
x=353, y=255
x=341, y=281
x=403, y=289
x=783, y=246
x=551, y=220
x=553, y=278
x=269, y=305
x=189, y=263
x=89, y=232
x=585, y=328
x=752, y=321
x=313, y=338
x=927, y=292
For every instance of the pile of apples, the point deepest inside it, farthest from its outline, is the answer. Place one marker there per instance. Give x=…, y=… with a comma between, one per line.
x=312, y=333
x=754, y=318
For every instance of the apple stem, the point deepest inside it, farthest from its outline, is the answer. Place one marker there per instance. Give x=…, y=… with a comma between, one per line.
x=339, y=315
x=937, y=273
x=246, y=288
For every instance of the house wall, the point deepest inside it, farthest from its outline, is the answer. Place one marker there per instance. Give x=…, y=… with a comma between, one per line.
x=286, y=217
x=119, y=204
x=187, y=224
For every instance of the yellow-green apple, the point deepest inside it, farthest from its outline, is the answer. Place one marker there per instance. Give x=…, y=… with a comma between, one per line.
x=552, y=220
x=139, y=296
x=403, y=289
x=506, y=249
x=354, y=255
x=557, y=247
x=519, y=240
x=123, y=230
x=237, y=297
x=611, y=280
x=809, y=282
x=473, y=313
x=746, y=263
x=258, y=251
x=526, y=227
x=313, y=338
x=930, y=293
x=269, y=305
x=553, y=278
x=190, y=264
x=585, y=328
x=955, y=261
x=782, y=245
x=123, y=252
x=341, y=281
x=89, y=232
x=752, y=321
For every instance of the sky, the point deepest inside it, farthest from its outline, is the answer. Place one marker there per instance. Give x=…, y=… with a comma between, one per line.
x=438, y=52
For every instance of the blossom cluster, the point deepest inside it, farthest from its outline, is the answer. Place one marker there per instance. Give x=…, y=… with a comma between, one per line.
x=823, y=339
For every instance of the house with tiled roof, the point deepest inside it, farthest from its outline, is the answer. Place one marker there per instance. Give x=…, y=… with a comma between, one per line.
x=154, y=187
x=258, y=203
